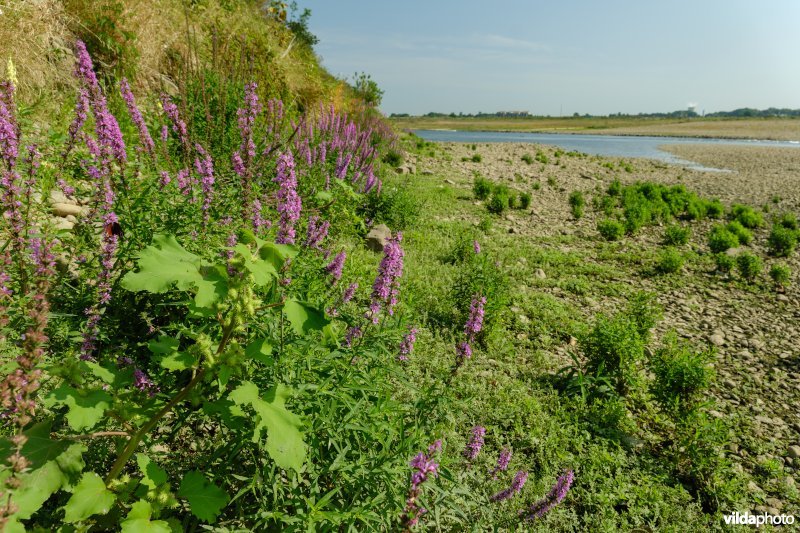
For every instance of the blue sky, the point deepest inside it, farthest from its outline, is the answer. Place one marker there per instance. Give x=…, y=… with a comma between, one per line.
x=567, y=56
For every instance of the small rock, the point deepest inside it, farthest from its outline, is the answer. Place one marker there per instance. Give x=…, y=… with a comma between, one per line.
x=57, y=196
x=63, y=224
x=427, y=172
x=717, y=340
x=63, y=210
x=775, y=503
x=773, y=511
x=377, y=237
x=539, y=273
x=449, y=182
x=794, y=452
x=752, y=487
x=756, y=344
x=733, y=252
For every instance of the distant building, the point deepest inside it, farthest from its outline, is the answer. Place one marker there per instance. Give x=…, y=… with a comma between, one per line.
x=515, y=114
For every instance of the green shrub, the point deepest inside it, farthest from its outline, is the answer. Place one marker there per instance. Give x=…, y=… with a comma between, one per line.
x=645, y=312
x=395, y=207
x=485, y=225
x=393, y=158
x=610, y=229
x=781, y=241
x=781, y=275
x=744, y=235
x=669, y=261
x=749, y=266
x=681, y=376
x=525, y=200
x=714, y=209
x=613, y=347
x=474, y=146
x=527, y=158
x=747, y=216
x=541, y=157
x=675, y=235
x=724, y=262
x=720, y=239
x=479, y=274
x=576, y=204
x=499, y=200
x=536, y=186
x=476, y=158
x=788, y=221
x=512, y=200
x=615, y=189
x=551, y=181
x=482, y=188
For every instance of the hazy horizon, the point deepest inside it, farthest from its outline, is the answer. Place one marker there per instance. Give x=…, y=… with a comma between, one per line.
x=572, y=57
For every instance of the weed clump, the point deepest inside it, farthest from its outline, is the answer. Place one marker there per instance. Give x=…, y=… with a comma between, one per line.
x=682, y=376
x=482, y=188
x=527, y=158
x=749, y=266
x=782, y=241
x=744, y=235
x=721, y=239
x=781, y=275
x=476, y=158
x=610, y=229
x=724, y=263
x=499, y=200
x=524, y=200
x=747, y=216
x=675, y=235
x=670, y=261
x=576, y=204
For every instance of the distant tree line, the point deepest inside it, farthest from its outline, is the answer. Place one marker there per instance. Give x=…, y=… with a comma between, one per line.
x=683, y=113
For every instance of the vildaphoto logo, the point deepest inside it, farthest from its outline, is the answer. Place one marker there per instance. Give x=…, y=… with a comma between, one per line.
x=758, y=520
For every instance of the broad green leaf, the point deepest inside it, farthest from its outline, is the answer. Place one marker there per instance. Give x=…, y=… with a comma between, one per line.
x=103, y=374
x=154, y=475
x=214, y=286
x=282, y=428
x=303, y=317
x=72, y=464
x=35, y=488
x=39, y=448
x=277, y=254
x=263, y=270
x=179, y=361
x=90, y=497
x=164, y=345
x=163, y=264
x=138, y=520
x=13, y=526
x=85, y=408
x=260, y=350
x=205, y=499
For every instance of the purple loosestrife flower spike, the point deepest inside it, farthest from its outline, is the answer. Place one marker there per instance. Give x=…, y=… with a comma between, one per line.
x=516, y=486
x=476, y=246
x=289, y=203
x=407, y=344
x=423, y=467
x=334, y=268
x=349, y=293
x=317, y=231
x=9, y=131
x=352, y=334
x=475, y=321
x=204, y=166
x=553, y=498
x=502, y=462
x=178, y=125
x=387, y=283
x=143, y=382
x=136, y=116
x=475, y=444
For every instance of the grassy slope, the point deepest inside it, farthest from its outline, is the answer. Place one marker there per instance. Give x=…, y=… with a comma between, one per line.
x=622, y=484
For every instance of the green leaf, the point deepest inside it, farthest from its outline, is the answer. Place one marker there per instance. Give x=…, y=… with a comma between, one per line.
x=179, y=361
x=324, y=196
x=39, y=448
x=86, y=408
x=35, y=488
x=103, y=374
x=260, y=350
x=284, y=440
x=154, y=475
x=303, y=317
x=214, y=286
x=164, y=345
x=90, y=497
x=206, y=500
x=71, y=463
x=263, y=271
x=162, y=265
x=138, y=520
x=277, y=254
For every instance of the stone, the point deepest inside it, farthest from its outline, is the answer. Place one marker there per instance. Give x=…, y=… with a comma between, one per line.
x=449, y=182
x=716, y=339
x=794, y=452
x=539, y=273
x=377, y=237
x=752, y=487
x=427, y=172
x=63, y=210
x=63, y=224
x=775, y=503
x=733, y=252
x=57, y=196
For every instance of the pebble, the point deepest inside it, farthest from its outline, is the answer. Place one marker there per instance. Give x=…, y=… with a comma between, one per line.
x=539, y=273
x=717, y=340
x=794, y=452
x=63, y=210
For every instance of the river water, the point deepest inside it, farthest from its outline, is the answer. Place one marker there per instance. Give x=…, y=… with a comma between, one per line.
x=605, y=145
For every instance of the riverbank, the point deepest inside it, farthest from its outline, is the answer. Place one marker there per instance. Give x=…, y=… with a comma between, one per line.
x=777, y=129
x=564, y=274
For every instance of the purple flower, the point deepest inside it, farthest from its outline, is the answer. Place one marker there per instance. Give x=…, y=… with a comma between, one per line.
x=351, y=334
x=143, y=382
x=475, y=321
x=424, y=467
x=136, y=116
x=476, y=246
x=475, y=444
x=205, y=169
x=334, y=268
x=289, y=203
x=407, y=344
x=516, y=486
x=553, y=498
x=317, y=231
x=178, y=125
x=349, y=293
x=387, y=283
x=502, y=462
x=9, y=131
x=165, y=179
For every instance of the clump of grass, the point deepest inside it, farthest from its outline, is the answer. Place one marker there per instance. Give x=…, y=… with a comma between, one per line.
x=482, y=188
x=476, y=158
x=524, y=200
x=744, y=235
x=576, y=204
x=721, y=239
x=675, y=235
x=749, y=266
x=788, y=221
x=782, y=241
x=527, y=158
x=499, y=200
x=610, y=229
x=670, y=261
x=747, y=216
x=781, y=275
x=551, y=181
x=724, y=263
x=536, y=186
x=682, y=376
x=393, y=158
